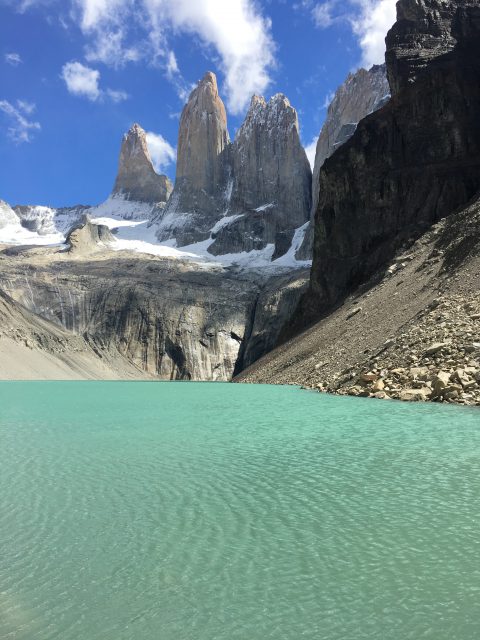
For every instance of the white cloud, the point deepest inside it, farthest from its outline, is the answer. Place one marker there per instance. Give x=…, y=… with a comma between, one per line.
x=116, y=96
x=238, y=34
x=172, y=64
x=370, y=21
x=173, y=73
x=234, y=34
x=109, y=47
x=23, y=5
x=13, y=58
x=310, y=150
x=371, y=26
x=26, y=107
x=21, y=128
x=81, y=80
x=161, y=151
x=322, y=14
x=84, y=81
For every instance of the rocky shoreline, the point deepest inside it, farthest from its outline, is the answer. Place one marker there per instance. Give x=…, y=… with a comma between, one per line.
x=436, y=359
x=411, y=333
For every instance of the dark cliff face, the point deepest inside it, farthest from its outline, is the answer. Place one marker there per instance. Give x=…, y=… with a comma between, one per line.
x=426, y=30
x=409, y=164
x=362, y=93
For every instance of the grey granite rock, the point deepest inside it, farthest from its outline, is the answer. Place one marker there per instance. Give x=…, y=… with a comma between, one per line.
x=271, y=194
x=171, y=319
x=243, y=195
x=87, y=237
x=426, y=30
x=199, y=197
x=136, y=178
x=362, y=93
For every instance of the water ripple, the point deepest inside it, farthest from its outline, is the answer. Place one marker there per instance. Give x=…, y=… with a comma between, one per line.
x=136, y=511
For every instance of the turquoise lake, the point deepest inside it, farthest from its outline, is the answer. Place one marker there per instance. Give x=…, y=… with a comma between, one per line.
x=185, y=511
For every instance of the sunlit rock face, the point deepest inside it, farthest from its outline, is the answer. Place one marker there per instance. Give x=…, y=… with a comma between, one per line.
x=244, y=195
x=200, y=195
x=202, y=139
x=136, y=178
x=271, y=193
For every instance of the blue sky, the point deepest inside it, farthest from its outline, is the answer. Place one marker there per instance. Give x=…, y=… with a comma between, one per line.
x=75, y=74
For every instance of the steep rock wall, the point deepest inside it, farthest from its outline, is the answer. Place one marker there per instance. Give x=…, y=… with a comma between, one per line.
x=408, y=165
x=136, y=178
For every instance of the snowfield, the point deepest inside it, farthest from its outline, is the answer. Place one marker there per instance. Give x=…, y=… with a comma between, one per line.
x=135, y=228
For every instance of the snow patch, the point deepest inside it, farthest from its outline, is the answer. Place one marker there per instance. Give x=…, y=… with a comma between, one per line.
x=131, y=224
x=225, y=221
x=7, y=215
x=117, y=207
x=265, y=207
x=288, y=259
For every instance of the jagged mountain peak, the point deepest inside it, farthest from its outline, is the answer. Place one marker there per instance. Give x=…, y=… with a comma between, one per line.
x=362, y=93
x=209, y=79
x=412, y=162
x=202, y=168
x=135, y=129
x=136, y=178
x=274, y=114
x=135, y=143
x=205, y=99
x=277, y=101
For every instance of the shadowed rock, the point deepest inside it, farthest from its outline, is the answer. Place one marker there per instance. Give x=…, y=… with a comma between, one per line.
x=409, y=164
x=362, y=93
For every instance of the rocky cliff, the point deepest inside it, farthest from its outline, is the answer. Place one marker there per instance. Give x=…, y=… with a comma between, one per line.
x=168, y=318
x=243, y=195
x=199, y=198
x=362, y=93
x=33, y=348
x=48, y=220
x=271, y=194
x=87, y=237
x=136, y=178
x=409, y=164
x=425, y=31
x=411, y=334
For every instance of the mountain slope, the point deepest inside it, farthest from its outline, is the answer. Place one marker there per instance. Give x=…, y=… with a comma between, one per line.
x=429, y=295
x=33, y=348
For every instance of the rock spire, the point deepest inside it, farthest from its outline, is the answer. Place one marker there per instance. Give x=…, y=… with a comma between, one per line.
x=136, y=177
